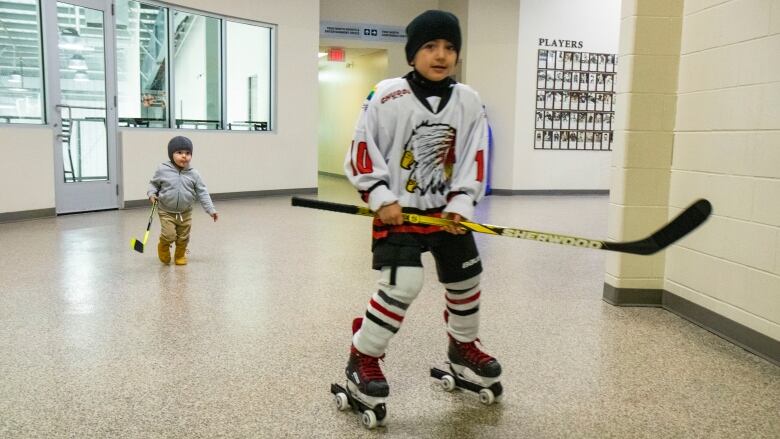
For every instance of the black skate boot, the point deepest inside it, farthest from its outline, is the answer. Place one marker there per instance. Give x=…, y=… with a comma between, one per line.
x=365, y=374
x=366, y=389
x=469, y=355
x=471, y=369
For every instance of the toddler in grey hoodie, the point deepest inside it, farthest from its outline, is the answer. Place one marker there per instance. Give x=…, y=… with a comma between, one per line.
x=175, y=186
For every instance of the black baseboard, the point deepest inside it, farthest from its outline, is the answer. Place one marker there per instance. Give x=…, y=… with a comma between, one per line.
x=129, y=204
x=549, y=192
x=742, y=336
x=632, y=296
x=24, y=215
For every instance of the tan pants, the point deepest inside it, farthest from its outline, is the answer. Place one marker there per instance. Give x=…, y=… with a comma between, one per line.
x=175, y=227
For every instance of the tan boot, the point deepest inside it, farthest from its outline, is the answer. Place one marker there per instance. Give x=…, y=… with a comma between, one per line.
x=180, y=255
x=164, y=252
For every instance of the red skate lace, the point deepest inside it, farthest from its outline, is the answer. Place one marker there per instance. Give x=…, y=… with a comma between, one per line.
x=473, y=354
x=369, y=368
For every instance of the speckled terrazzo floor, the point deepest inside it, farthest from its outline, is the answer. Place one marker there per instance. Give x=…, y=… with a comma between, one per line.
x=99, y=341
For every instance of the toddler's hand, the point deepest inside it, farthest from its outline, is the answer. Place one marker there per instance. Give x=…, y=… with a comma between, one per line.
x=153, y=199
x=215, y=215
x=454, y=229
x=391, y=214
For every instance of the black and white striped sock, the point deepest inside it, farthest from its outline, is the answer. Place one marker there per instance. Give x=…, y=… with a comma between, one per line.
x=462, y=312
x=398, y=287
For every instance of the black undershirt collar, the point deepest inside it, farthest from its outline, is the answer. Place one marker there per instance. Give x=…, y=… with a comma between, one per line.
x=424, y=89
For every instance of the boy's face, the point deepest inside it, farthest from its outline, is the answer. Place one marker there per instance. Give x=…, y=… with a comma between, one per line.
x=182, y=158
x=436, y=59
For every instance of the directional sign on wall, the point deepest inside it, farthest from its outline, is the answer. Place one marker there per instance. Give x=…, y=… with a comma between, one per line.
x=362, y=31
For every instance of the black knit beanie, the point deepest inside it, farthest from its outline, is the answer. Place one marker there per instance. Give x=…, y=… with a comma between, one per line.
x=431, y=25
x=179, y=143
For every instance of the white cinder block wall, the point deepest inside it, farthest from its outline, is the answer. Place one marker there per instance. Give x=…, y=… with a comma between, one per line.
x=727, y=149
x=716, y=136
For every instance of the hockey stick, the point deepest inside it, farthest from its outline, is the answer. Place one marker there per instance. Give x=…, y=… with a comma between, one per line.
x=137, y=245
x=691, y=218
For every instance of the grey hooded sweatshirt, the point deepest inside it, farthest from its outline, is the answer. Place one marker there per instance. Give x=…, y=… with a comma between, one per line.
x=177, y=189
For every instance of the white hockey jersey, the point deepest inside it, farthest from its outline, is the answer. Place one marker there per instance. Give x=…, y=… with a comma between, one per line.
x=403, y=152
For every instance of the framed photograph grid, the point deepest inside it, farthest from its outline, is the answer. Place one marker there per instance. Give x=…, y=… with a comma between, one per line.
x=575, y=100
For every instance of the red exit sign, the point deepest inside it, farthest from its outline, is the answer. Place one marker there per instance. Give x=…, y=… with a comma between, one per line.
x=336, y=54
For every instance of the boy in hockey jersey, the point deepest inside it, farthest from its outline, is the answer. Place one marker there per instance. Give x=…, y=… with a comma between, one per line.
x=175, y=186
x=420, y=145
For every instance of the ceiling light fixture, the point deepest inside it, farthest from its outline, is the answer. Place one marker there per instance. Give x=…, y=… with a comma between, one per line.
x=71, y=40
x=15, y=78
x=77, y=62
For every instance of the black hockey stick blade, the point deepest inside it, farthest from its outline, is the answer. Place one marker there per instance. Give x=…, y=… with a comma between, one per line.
x=686, y=222
x=137, y=244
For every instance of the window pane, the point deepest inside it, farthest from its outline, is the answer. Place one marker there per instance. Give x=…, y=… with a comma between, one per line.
x=196, y=71
x=21, y=85
x=82, y=73
x=142, y=62
x=248, y=77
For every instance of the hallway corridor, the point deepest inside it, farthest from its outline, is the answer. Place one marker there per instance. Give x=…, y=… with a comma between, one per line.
x=101, y=341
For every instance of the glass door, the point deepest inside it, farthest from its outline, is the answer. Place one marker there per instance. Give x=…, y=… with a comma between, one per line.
x=82, y=84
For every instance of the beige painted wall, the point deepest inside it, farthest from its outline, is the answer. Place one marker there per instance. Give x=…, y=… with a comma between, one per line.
x=391, y=13
x=229, y=161
x=343, y=88
x=495, y=85
x=490, y=65
x=26, y=168
x=480, y=49
x=491, y=68
x=394, y=13
x=597, y=24
x=240, y=161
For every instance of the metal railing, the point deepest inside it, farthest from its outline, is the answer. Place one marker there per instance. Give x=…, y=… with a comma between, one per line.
x=69, y=125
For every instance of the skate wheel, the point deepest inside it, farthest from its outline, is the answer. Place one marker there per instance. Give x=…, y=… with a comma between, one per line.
x=486, y=396
x=342, y=402
x=447, y=383
x=369, y=419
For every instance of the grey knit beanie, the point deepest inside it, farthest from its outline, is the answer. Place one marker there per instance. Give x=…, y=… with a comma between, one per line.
x=179, y=143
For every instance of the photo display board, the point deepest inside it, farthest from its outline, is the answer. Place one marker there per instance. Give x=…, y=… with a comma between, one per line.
x=575, y=100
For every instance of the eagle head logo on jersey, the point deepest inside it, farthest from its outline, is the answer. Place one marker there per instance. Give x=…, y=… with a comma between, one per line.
x=429, y=154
